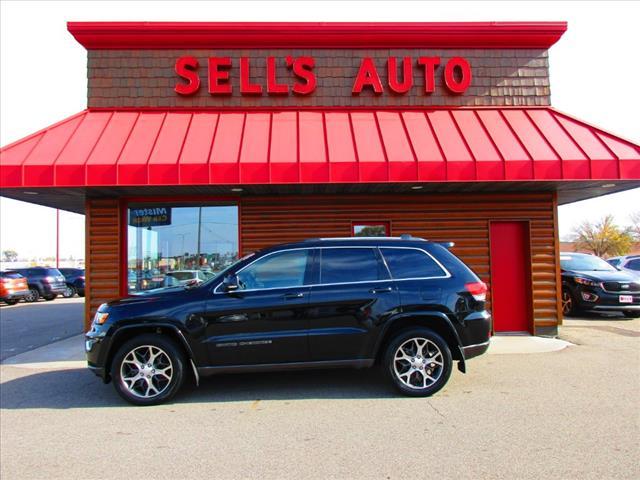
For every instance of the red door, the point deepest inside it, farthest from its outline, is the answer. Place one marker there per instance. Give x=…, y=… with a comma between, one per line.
x=510, y=278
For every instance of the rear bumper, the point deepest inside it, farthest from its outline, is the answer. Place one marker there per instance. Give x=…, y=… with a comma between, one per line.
x=471, y=351
x=53, y=289
x=16, y=295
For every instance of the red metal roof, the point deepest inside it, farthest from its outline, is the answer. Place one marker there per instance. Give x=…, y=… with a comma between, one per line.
x=161, y=35
x=139, y=148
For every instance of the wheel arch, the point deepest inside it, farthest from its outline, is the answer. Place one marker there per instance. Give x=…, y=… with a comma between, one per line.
x=436, y=321
x=127, y=332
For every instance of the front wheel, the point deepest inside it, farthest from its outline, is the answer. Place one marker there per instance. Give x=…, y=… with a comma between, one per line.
x=569, y=307
x=48, y=298
x=631, y=314
x=148, y=369
x=69, y=292
x=419, y=362
x=34, y=295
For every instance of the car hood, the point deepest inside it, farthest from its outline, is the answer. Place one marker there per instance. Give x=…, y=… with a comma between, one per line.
x=150, y=296
x=616, y=276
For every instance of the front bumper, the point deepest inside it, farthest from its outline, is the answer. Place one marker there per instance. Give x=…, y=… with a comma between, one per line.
x=96, y=346
x=604, y=301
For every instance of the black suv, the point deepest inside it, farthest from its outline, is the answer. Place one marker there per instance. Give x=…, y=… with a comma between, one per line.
x=590, y=283
x=43, y=282
x=74, y=278
x=404, y=303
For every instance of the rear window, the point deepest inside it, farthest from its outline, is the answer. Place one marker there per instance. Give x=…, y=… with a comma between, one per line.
x=346, y=265
x=10, y=275
x=634, y=264
x=51, y=272
x=181, y=275
x=411, y=263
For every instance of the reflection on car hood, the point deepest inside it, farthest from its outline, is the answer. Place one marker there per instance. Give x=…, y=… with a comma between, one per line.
x=148, y=296
x=616, y=276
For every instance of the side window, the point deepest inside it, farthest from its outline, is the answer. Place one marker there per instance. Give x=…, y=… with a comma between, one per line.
x=278, y=270
x=411, y=263
x=634, y=264
x=344, y=265
x=615, y=263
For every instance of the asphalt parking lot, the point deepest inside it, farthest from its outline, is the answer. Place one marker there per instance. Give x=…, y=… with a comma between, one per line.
x=571, y=414
x=26, y=326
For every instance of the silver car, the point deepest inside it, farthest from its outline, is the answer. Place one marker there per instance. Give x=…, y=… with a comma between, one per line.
x=629, y=263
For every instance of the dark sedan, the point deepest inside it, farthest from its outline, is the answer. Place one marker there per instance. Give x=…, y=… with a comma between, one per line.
x=590, y=283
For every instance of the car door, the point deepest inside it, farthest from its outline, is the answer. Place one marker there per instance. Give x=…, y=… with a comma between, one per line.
x=263, y=321
x=353, y=297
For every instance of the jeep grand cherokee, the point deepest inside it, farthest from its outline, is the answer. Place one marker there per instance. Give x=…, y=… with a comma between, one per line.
x=406, y=304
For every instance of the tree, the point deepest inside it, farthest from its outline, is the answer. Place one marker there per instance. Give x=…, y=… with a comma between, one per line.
x=604, y=238
x=10, y=255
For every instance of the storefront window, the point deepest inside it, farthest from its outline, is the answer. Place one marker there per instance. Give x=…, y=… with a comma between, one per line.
x=373, y=229
x=171, y=245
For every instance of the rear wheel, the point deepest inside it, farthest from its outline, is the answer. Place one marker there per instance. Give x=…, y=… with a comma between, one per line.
x=419, y=362
x=148, y=369
x=12, y=301
x=34, y=295
x=69, y=292
x=631, y=314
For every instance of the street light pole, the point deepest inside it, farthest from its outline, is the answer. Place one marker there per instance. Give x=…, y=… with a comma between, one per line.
x=57, y=238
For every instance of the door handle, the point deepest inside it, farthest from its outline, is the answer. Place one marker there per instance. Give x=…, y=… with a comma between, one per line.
x=293, y=296
x=381, y=290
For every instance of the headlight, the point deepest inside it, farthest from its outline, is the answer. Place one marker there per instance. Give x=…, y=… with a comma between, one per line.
x=586, y=281
x=100, y=317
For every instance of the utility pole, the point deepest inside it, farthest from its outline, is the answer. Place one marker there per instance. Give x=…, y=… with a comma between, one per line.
x=199, y=228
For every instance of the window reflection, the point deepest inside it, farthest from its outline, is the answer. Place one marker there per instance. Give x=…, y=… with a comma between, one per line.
x=173, y=245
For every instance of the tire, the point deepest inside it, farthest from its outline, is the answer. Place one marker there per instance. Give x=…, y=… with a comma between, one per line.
x=69, y=292
x=81, y=294
x=48, y=298
x=404, y=362
x=569, y=308
x=129, y=363
x=34, y=296
x=12, y=301
x=631, y=314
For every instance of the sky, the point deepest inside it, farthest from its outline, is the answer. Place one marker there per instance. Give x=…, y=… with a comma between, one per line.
x=43, y=77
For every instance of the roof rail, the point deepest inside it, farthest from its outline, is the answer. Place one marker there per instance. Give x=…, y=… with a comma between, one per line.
x=401, y=237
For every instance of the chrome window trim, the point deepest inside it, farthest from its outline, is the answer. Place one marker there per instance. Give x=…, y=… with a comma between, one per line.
x=390, y=279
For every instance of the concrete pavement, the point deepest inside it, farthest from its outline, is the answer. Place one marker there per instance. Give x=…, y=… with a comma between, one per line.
x=566, y=414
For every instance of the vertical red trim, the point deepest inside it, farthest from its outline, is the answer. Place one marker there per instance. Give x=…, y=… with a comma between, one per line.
x=466, y=144
x=213, y=139
x=269, y=145
x=353, y=141
x=124, y=144
x=124, y=248
x=244, y=123
x=406, y=133
x=384, y=148
x=184, y=140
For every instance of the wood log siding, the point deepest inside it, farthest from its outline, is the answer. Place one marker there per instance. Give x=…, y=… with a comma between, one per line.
x=463, y=219
x=265, y=221
x=102, y=269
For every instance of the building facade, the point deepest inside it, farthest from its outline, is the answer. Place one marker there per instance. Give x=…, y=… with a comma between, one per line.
x=203, y=142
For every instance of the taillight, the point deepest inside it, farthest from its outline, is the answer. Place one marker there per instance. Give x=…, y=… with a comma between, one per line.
x=49, y=279
x=478, y=290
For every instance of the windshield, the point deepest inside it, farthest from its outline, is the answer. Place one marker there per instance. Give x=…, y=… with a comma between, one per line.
x=585, y=263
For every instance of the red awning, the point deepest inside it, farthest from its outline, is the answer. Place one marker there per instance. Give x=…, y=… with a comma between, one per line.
x=139, y=148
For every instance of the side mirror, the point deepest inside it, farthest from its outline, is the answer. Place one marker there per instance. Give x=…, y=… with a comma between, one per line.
x=230, y=283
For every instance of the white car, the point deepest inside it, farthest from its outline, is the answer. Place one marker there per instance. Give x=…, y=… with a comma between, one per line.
x=187, y=276
x=629, y=263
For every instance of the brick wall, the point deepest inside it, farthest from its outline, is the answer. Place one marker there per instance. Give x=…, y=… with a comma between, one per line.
x=146, y=78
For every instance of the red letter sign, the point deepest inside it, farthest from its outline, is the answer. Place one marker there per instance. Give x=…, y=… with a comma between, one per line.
x=303, y=69
x=407, y=75
x=245, y=79
x=450, y=78
x=219, y=76
x=429, y=64
x=367, y=75
x=186, y=68
x=273, y=87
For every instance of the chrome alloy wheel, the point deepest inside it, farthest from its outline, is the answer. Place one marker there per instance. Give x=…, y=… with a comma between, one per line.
x=146, y=371
x=418, y=363
x=567, y=303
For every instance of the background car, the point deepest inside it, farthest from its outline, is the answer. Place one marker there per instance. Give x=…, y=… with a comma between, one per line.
x=43, y=282
x=590, y=283
x=630, y=263
x=74, y=278
x=13, y=287
x=186, y=276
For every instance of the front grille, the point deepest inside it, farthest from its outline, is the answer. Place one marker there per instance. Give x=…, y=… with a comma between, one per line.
x=621, y=287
